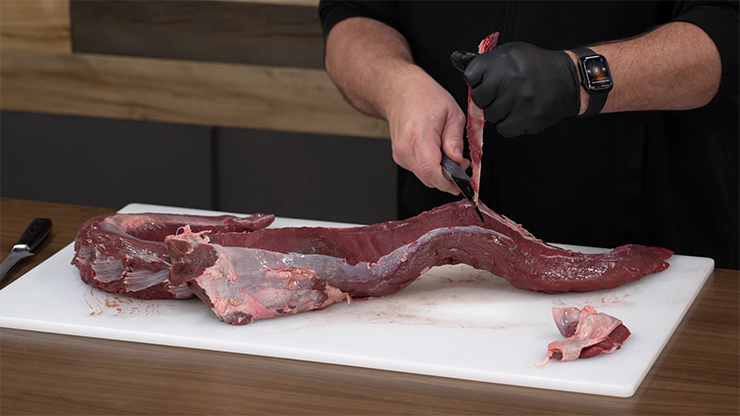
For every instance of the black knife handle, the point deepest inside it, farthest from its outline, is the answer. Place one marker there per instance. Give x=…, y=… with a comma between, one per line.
x=454, y=170
x=35, y=233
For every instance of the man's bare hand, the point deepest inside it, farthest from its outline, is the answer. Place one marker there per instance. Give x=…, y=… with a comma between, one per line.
x=380, y=79
x=424, y=121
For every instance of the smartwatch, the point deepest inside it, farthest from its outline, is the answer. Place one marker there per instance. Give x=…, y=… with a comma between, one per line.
x=595, y=78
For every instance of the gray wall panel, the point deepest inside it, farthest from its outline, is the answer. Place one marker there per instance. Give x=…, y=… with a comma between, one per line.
x=332, y=178
x=103, y=162
x=110, y=163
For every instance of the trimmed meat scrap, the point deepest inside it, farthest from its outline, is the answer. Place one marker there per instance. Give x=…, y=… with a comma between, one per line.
x=588, y=333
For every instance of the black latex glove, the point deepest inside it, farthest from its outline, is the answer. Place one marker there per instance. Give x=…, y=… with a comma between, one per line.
x=520, y=87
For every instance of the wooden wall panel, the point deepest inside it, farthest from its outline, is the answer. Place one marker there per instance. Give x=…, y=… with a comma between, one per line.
x=289, y=99
x=39, y=72
x=37, y=25
x=238, y=32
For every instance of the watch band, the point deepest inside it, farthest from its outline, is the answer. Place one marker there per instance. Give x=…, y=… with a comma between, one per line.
x=596, y=101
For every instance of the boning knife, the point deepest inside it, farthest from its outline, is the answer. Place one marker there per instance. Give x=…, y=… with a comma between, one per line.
x=31, y=238
x=454, y=172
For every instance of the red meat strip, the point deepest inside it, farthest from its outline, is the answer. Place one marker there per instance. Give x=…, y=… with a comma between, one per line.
x=125, y=253
x=588, y=333
x=273, y=272
x=476, y=121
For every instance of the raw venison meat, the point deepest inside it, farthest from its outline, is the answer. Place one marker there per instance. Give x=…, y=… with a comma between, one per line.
x=276, y=272
x=273, y=272
x=243, y=277
x=589, y=334
x=476, y=121
x=125, y=253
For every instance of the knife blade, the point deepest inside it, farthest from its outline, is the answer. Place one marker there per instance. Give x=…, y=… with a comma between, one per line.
x=29, y=241
x=454, y=172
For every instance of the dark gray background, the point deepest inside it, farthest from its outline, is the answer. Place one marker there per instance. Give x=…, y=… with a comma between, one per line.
x=110, y=163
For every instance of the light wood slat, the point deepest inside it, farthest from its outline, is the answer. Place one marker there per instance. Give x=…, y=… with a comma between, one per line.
x=230, y=95
x=38, y=25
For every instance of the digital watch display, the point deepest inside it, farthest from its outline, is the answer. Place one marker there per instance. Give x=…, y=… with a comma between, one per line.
x=595, y=73
x=595, y=78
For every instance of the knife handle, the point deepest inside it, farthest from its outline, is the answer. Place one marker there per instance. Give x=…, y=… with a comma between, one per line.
x=35, y=233
x=452, y=170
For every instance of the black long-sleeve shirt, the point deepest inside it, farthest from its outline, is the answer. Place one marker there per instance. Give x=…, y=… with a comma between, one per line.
x=663, y=178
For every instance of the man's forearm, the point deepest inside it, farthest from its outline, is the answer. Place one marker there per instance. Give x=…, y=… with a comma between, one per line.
x=372, y=65
x=674, y=67
x=365, y=59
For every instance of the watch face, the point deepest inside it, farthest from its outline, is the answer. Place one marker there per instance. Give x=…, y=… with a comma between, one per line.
x=595, y=73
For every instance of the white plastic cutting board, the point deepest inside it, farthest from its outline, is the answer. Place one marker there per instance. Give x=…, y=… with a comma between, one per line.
x=454, y=321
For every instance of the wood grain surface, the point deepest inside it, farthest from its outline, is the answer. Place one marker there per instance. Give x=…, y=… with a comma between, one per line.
x=36, y=25
x=228, y=95
x=40, y=72
x=696, y=374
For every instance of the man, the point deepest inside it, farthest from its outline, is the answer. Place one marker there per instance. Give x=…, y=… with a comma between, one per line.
x=657, y=165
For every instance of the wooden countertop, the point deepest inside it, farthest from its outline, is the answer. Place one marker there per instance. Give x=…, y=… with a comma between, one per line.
x=697, y=373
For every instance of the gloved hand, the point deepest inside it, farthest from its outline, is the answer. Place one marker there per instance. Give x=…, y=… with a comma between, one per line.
x=520, y=87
